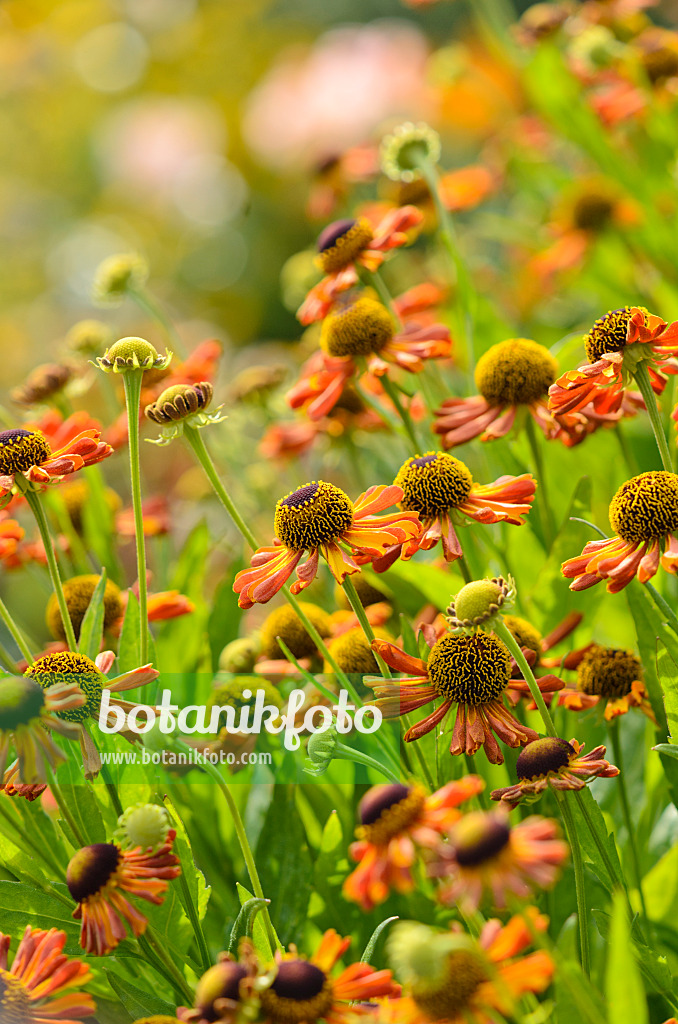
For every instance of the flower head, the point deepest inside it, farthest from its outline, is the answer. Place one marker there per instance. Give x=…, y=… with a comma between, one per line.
x=118, y=275
x=319, y=517
x=143, y=825
x=442, y=491
x=43, y=383
x=478, y=604
x=616, y=344
x=38, y=987
x=78, y=592
x=644, y=517
x=222, y=991
x=89, y=336
x=396, y=820
x=551, y=762
x=98, y=877
x=182, y=405
x=407, y=148
x=351, y=651
x=129, y=354
x=609, y=676
x=348, y=244
x=25, y=709
x=511, y=376
x=28, y=454
x=485, y=856
x=469, y=671
x=286, y=624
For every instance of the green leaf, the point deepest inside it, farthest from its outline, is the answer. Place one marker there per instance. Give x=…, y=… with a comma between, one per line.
x=667, y=670
x=244, y=922
x=624, y=987
x=660, y=887
x=139, y=1002
x=129, y=651
x=670, y=749
x=585, y=810
x=21, y=904
x=198, y=888
x=285, y=864
x=435, y=585
x=224, y=619
x=374, y=938
x=92, y=628
x=259, y=935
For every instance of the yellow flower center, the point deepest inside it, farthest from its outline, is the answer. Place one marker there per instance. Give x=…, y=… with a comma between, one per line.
x=15, y=1005
x=312, y=515
x=300, y=992
x=548, y=754
x=232, y=694
x=469, y=670
x=608, y=334
x=356, y=328
x=285, y=623
x=478, y=837
x=524, y=633
x=353, y=654
x=21, y=449
x=386, y=811
x=645, y=508
x=592, y=211
x=78, y=592
x=515, y=372
x=180, y=401
x=608, y=672
x=342, y=242
x=91, y=869
x=21, y=701
x=465, y=972
x=433, y=483
x=70, y=667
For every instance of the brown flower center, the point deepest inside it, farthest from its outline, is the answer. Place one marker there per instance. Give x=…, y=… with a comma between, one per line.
x=314, y=514
x=21, y=449
x=608, y=672
x=15, y=1005
x=388, y=810
x=300, y=992
x=465, y=973
x=469, y=669
x=91, y=868
x=548, y=754
x=342, y=242
x=356, y=327
x=645, y=508
x=70, y=667
x=515, y=372
x=433, y=483
x=478, y=837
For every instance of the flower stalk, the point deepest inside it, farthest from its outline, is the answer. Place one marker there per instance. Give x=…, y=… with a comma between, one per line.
x=132, y=381
x=642, y=379
x=33, y=499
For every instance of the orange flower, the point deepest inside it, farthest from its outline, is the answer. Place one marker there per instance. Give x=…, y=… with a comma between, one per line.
x=466, y=187
x=615, y=345
x=394, y=821
x=346, y=244
x=644, y=517
x=551, y=762
x=469, y=671
x=319, y=518
x=10, y=535
x=609, y=676
x=303, y=990
x=35, y=988
x=97, y=878
x=28, y=453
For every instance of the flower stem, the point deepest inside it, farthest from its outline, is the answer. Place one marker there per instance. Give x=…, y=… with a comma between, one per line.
x=408, y=425
x=579, y=881
x=664, y=607
x=15, y=632
x=626, y=810
x=545, y=510
x=149, y=943
x=33, y=500
x=350, y=754
x=366, y=626
x=642, y=379
x=503, y=632
x=61, y=804
x=132, y=380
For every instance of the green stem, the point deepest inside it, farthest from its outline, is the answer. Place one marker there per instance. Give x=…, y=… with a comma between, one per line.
x=626, y=810
x=579, y=881
x=15, y=632
x=33, y=499
x=545, y=510
x=420, y=757
x=7, y=661
x=370, y=762
x=61, y=804
x=150, y=943
x=196, y=924
x=132, y=381
x=38, y=850
x=503, y=632
x=642, y=379
x=365, y=624
x=663, y=606
x=149, y=305
x=463, y=565
x=609, y=866
x=408, y=425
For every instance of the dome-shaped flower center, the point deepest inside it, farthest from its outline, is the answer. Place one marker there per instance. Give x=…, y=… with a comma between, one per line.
x=69, y=667
x=608, y=672
x=15, y=1005
x=515, y=372
x=220, y=982
x=286, y=624
x=21, y=700
x=91, y=868
x=144, y=825
x=608, y=334
x=180, y=401
x=353, y=654
x=385, y=811
x=478, y=837
x=548, y=754
x=314, y=514
x=78, y=592
x=342, y=242
x=433, y=483
x=21, y=449
x=356, y=328
x=469, y=669
x=478, y=601
x=465, y=973
x=238, y=693
x=524, y=633
x=592, y=211
x=42, y=383
x=300, y=992
x=646, y=507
